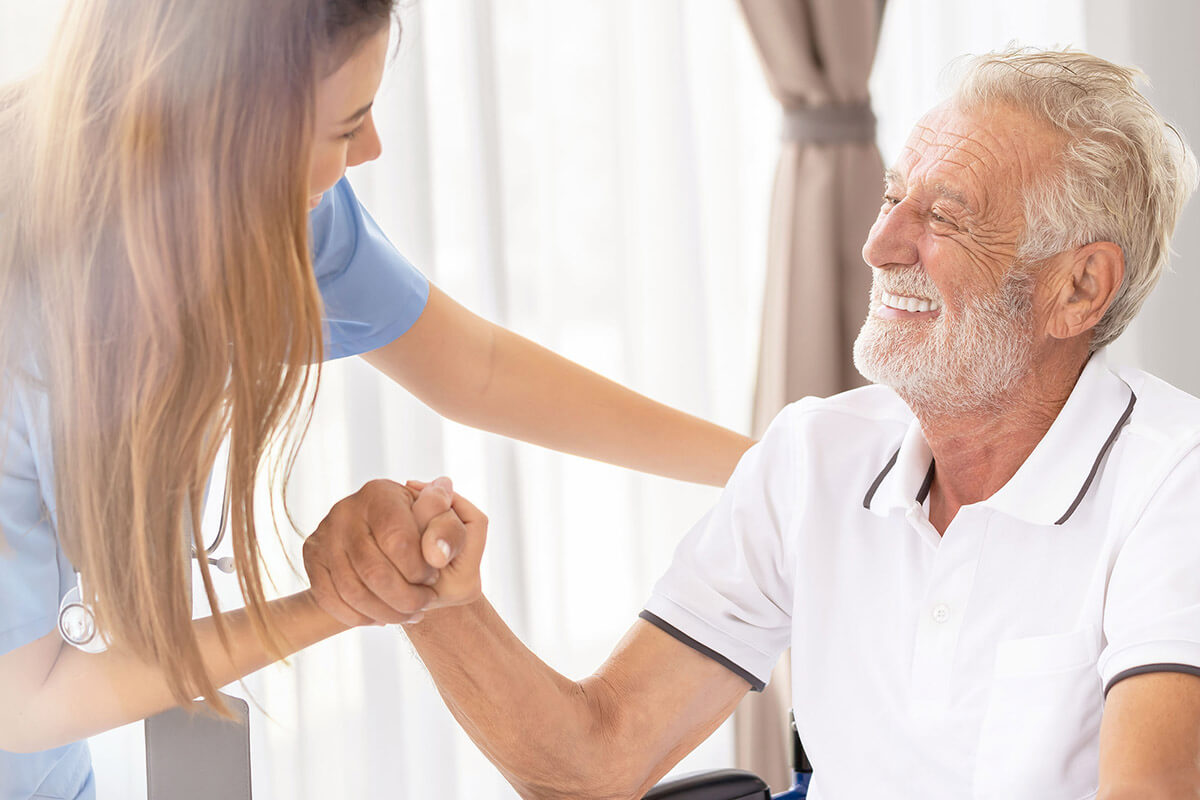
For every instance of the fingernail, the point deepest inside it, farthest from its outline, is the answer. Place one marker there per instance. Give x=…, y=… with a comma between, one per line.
x=444, y=548
x=443, y=483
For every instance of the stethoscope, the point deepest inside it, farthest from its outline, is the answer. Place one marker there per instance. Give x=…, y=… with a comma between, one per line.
x=77, y=621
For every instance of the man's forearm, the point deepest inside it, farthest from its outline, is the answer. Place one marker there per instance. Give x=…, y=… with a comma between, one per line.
x=86, y=694
x=551, y=737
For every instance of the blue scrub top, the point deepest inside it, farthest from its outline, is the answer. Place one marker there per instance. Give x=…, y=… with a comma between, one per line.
x=371, y=296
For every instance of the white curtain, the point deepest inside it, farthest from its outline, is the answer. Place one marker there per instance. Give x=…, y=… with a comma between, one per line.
x=595, y=175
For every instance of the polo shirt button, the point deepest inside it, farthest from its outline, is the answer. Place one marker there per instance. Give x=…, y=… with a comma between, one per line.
x=941, y=612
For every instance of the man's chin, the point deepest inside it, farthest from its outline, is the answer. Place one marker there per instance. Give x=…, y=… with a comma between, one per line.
x=877, y=349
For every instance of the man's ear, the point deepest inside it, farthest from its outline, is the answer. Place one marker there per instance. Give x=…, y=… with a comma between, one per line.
x=1095, y=274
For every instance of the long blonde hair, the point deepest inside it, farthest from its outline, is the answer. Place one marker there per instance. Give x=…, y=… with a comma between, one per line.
x=154, y=259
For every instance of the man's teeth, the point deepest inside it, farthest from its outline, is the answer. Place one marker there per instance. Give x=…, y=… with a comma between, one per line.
x=909, y=303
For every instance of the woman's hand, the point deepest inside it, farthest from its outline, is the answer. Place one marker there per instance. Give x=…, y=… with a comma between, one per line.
x=459, y=581
x=378, y=556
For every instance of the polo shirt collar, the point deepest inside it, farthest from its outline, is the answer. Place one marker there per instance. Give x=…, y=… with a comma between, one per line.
x=1053, y=480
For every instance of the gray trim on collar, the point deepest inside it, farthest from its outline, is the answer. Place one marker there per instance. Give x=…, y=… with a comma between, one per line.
x=923, y=492
x=1112, y=437
x=879, y=479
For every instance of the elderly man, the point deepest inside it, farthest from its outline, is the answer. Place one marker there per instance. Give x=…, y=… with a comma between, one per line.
x=987, y=565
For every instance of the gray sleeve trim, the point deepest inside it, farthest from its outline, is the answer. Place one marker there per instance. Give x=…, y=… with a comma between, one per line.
x=703, y=650
x=1186, y=669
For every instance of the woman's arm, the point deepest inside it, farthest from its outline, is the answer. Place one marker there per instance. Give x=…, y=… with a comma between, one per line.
x=384, y=535
x=52, y=694
x=479, y=374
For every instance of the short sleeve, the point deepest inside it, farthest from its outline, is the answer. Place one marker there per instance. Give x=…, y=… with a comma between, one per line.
x=34, y=573
x=728, y=591
x=1152, y=610
x=371, y=293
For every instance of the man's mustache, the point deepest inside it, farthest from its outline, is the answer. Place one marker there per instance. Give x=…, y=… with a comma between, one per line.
x=910, y=283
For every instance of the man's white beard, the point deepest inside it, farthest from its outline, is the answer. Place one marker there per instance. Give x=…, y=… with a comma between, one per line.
x=944, y=366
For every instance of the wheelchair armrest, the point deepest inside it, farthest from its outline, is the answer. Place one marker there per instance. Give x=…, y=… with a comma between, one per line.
x=720, y=784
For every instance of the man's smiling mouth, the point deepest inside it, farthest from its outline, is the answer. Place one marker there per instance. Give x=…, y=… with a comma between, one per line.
x=902, y=303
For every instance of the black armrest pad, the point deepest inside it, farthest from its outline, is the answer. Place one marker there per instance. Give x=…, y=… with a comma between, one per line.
x=721, y=784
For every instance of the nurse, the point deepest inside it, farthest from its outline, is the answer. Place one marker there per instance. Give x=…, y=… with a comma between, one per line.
x=179, y=250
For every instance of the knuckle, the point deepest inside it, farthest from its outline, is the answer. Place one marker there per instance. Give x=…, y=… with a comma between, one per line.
x=377, y=574
x=398, y=546
x=359, y=550
x=355, y=595
x=411, y=598
x=379, y=487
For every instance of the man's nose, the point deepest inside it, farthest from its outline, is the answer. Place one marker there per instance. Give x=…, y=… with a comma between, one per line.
x=892, y=241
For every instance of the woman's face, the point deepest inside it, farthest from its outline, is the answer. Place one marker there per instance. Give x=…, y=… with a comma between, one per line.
x=345, y=131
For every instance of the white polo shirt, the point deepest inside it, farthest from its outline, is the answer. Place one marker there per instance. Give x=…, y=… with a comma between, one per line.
x=970, y=665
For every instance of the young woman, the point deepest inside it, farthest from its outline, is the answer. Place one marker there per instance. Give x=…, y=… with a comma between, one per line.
x=178, y=252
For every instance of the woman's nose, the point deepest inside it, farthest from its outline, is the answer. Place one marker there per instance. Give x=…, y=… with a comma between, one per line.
x=366, y=146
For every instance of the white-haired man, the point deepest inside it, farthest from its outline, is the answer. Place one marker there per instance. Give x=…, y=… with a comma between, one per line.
x=987, y=565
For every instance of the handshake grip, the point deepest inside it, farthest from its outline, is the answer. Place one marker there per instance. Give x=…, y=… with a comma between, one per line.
x=390, y=552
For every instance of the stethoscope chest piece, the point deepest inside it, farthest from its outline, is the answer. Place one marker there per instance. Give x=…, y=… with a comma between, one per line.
x=77, y=623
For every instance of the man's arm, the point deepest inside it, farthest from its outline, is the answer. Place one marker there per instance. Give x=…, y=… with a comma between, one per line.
x=480, y=374
x=611, y=735
x=1150, y=738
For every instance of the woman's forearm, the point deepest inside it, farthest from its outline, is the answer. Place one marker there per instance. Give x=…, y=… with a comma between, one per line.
x=480, y=374
x=86, y=694
x=540, y=397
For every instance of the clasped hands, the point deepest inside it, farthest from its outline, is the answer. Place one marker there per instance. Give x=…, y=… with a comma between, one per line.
x=390, y=552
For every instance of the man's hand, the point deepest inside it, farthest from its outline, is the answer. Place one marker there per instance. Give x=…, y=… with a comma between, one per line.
x=378, y=556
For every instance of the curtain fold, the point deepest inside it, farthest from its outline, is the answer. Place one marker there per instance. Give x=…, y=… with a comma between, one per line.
x=816, y=56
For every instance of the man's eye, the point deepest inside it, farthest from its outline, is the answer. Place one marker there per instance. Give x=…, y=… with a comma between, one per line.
x=889, y=200
x=938, y=218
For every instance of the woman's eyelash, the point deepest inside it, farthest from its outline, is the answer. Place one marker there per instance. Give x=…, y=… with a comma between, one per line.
x=350, y=135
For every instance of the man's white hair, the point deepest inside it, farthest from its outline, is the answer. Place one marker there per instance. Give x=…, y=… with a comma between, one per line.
x=1122, y=175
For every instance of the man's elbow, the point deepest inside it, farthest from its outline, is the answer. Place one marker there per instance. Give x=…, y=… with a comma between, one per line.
x=586, y=784
x=606, y=760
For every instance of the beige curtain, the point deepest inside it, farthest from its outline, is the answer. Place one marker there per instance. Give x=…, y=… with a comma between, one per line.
x=817, y=58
